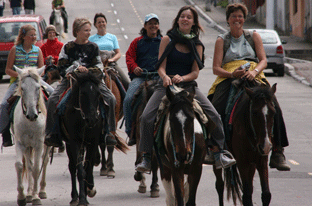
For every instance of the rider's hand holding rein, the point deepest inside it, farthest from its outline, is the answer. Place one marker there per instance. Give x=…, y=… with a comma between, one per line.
x=138, y=71
x=82, y=69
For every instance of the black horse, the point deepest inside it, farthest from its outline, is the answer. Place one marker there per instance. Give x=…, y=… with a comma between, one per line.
x=82, y=126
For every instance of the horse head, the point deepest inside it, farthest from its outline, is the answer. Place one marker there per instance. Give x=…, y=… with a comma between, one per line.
x=261, y=116
x=181, y=117
x=86, y=96
x=29, y=88
x=105, y=56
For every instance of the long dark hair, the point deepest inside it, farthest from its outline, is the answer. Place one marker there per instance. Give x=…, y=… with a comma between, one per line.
x=195, y=28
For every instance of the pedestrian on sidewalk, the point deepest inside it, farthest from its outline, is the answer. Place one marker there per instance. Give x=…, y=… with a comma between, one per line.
x=29, y=6
x=232, y=50
x=16, y=6
x=2, y=6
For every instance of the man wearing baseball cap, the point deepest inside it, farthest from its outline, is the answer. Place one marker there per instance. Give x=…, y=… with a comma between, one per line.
x=141, y=55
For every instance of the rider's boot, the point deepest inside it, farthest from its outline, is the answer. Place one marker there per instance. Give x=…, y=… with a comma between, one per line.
x=278, y=159
x=53, y=140
x=6, y=137
x=111, y=139
x=224, y=159
x=146, y=165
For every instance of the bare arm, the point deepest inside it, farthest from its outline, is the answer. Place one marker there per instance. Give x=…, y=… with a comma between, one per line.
x=162, y=68
x=116, y=57
x=217, y=62
x=11, y=59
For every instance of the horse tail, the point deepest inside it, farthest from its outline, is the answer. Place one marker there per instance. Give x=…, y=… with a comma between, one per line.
x=233, y=184
x=121, y=144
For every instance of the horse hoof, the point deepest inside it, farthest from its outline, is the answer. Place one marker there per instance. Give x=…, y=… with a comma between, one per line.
x=43, y=195
x=28, y=198
x=142, y=189
x=21, y=202
x=91, y=193
x=74, y=203
x=138, y=176
x=103, y=172
x=36, y=202
x=155, y=193
x=111, y=174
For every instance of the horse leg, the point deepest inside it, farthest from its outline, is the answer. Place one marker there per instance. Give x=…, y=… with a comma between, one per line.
x=178, y=182
x=72, y=156
x=193, y=180
x=81, y=174
x=166, y=179
x=21, y=198
x=45, y=160
x=88, y=167
x=264, y=179
x=29, y=171
x=154, y=185
x=103, y=171
x=219, y=184
x=142, y=186
x=247, y=174
x=35, y=173
x=110, y=163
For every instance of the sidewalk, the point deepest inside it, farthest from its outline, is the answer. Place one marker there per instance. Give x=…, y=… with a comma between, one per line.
x=298, y=52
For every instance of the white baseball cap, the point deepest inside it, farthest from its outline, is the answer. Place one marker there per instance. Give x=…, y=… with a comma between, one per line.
x=150, y=16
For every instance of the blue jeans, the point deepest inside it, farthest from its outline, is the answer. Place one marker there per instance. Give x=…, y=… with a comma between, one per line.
x=127, y=110
x=16, y=10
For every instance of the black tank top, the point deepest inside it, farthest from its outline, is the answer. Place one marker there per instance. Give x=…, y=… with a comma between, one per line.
x=179, y=63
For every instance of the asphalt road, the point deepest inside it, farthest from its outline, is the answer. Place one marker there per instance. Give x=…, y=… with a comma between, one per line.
x=125, y=19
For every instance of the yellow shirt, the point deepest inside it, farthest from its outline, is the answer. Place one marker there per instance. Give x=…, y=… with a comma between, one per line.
x=231, y=67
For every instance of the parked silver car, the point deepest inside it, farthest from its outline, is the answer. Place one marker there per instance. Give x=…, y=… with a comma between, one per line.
x=274, y=50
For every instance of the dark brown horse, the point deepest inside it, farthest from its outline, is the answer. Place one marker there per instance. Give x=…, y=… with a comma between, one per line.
x=140, y=100
x=113, y=82
x=184, y=147
x=252, y=126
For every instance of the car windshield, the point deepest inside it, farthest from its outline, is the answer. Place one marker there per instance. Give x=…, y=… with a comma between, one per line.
x=9, y=30
x=268, y=37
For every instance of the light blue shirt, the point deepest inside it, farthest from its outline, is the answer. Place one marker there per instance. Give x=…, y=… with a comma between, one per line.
x=107, y=42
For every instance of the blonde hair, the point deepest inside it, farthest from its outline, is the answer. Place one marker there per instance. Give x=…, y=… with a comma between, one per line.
x=22, y=33
x=78, y=24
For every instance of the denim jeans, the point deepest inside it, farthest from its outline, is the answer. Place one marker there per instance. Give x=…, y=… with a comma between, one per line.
x=16, y=10
x=127, y=110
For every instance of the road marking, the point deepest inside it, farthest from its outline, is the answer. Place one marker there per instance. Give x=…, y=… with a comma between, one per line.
x=122, y=29
x=118, y=21
x=135, y=11
x=125, y=36
x=115, y=12
x=310, y=173
x=112, y=5
x=293, y=162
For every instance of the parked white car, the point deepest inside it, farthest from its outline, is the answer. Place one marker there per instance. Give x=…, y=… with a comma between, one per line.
x=274, y=50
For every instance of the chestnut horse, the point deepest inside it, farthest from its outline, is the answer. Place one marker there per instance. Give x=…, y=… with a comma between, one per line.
x=250, y=143
x=184, y=147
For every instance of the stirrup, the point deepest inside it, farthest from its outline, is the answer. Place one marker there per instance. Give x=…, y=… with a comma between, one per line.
x=224, y=159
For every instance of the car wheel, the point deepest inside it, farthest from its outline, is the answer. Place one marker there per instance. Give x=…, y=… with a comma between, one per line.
x=280, y=70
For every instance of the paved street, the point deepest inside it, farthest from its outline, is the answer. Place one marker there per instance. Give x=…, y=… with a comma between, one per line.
x=125, y=19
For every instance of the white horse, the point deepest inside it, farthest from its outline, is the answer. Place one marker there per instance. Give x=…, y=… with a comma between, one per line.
x=28, y=130
x=59, y=22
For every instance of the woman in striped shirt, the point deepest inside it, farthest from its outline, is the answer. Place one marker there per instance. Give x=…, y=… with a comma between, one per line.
x=23, y=54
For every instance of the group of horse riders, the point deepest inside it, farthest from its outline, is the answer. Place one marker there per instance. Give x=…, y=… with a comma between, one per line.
x=177, y=57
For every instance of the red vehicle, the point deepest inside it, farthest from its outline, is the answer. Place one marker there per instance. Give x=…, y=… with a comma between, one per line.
x=9, y=27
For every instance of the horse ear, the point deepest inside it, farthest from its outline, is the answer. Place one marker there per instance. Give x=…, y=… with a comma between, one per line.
x=169, y=93
x=41, y=70
x=273, y=88
x=248, y=91
x=19, y=71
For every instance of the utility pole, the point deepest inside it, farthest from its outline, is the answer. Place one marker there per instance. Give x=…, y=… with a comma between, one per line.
x=270, y=14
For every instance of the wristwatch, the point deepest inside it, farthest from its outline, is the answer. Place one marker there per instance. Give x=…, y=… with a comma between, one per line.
x=257, y=70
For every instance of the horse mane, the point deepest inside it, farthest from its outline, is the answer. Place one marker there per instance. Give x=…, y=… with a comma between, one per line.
x=31, y=72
